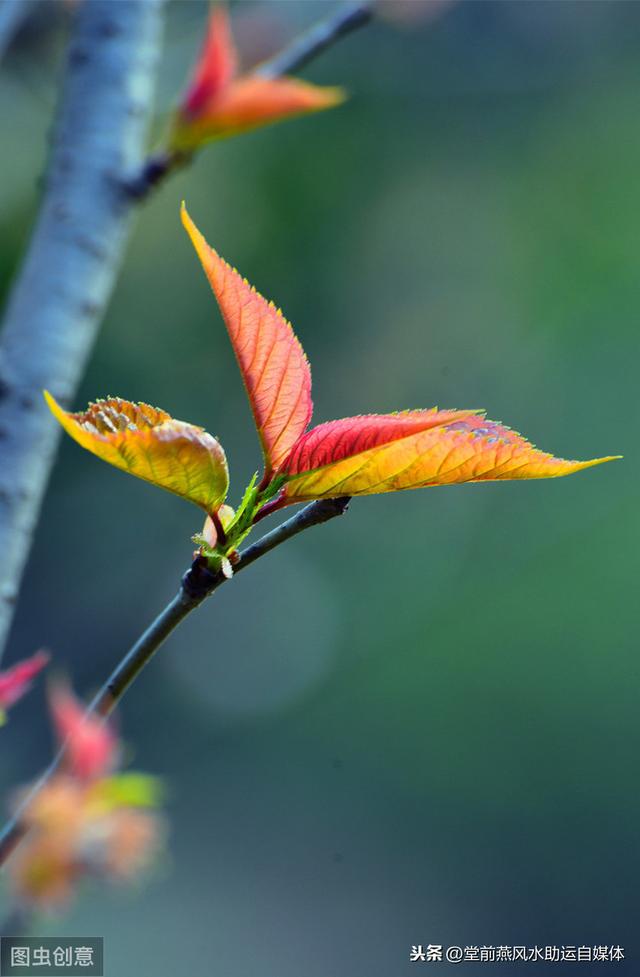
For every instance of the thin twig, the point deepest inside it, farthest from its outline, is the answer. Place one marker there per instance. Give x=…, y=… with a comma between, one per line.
x=316, y=40
x=299, y=53
x=198, y=583
x=71, y=266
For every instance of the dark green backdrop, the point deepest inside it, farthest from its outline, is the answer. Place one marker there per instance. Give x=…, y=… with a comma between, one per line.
x=417, y=724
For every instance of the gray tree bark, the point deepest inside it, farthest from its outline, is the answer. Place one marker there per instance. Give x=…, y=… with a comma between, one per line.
x=59, y=297
x=13, y=14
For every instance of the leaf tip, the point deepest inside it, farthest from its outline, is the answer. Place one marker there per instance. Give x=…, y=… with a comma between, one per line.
x=58, y=412
x=205, y=252
x=334, y=95
x=592, y=462
x=49, y=400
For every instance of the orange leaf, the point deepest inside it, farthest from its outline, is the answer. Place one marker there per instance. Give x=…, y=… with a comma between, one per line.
x=249, y=103
x=272, y=362
x=367, y=455
x=219, y=104
x=357, y=455
x=150, y=444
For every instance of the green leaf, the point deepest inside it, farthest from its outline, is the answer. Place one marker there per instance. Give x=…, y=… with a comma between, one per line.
x=129, y=790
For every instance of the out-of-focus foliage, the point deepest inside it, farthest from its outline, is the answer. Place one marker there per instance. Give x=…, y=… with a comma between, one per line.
x=218, y=103
x=86, y=821
x=77, y=831
x=91, y=745
x=15, y=681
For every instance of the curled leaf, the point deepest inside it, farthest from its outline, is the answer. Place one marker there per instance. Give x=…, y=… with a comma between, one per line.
x=218, y=103
x=368, y=455
x=152, y=445
x=274, y=367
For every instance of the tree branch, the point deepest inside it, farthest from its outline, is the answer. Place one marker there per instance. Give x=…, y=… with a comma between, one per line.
x=198, y=583
x=70, y=269
x=316, y=40
x=13, y=16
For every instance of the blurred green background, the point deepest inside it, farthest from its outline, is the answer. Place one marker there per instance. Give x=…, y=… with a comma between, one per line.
x=418, y=724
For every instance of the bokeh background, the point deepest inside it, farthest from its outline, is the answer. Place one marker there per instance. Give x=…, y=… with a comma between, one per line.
x=419, y=723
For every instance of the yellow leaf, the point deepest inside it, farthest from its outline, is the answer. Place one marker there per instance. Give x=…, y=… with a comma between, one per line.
x=152, y=445
x=367, y=455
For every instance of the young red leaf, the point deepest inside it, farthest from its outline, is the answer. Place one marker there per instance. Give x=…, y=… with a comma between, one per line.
x=274, y=367
x=149, y=443
x=357, y=455
x=15, y=681
x=219, y=104
x=367, y=455
x=91, y=746
x=216, y=66
x=331, y=442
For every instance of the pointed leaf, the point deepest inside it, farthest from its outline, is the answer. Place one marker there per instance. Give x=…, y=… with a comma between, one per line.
x=15, y=681
x=272, y=362
x=149, y=443
x=335, y=440
x=254, y=101
x=249, y=103
x=217, y=104
x=460, y=448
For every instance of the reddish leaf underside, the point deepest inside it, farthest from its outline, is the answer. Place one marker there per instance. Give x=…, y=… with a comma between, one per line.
x=150, y=444
x=274, y=367
x=335, y=440
x=367, y=455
